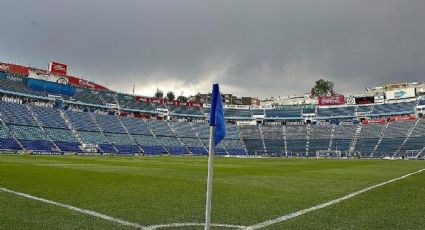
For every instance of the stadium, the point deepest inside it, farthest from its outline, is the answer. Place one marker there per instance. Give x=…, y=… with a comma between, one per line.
x=50, y=112
x=77, y=155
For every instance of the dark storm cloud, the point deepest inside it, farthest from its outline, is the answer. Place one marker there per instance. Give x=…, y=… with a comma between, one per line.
x=256, y=48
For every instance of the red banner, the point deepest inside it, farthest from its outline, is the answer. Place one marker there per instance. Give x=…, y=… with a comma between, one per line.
x=158, y=101
x=58, y=68
x=17, y=69
x=403, y=118
x=83, y=83
x=375, y=121
x=331, y=100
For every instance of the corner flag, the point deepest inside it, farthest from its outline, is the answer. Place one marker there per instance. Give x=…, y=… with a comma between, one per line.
x=217, y=115
x=217, y=133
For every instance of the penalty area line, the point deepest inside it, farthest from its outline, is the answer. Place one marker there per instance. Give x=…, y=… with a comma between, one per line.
x=73, y=208
x=326, y=204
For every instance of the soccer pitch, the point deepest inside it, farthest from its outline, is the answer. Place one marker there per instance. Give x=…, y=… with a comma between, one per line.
x=164, y=190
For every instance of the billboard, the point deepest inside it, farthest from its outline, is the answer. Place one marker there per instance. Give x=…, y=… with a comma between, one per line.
x=331, y=100
x=365, y=100
x=17, y=69
x=46, y=77
x=58, y=68
x=86, y=84
x=400, y=93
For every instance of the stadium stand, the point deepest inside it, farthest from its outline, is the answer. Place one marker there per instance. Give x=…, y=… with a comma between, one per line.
x=319, y=138
x=394, y=108
x=336, y=112
x=343, y=137
x=296, y=140
x=393, y=137
x=369, y=136
x=283, y=113
x=44, y=116
x=416, y=139
x=274, y=139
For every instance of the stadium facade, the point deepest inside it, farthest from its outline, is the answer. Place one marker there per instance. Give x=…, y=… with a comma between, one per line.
x=52, y=112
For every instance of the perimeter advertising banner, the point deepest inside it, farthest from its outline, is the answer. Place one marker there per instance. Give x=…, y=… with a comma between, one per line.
x=58, y=68
x=331, y=100
x=400, y=93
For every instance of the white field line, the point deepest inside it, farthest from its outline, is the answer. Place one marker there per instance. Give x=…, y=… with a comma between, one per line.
x=323, y=205
x=159, y=226
x=80, y=210
x=255, y=226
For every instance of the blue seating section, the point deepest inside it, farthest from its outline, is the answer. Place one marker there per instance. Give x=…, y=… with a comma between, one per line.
x=68, y=146
x=198, y=150
x=254, y=146
x=128, y=149
x=283, y=113
x=416, y=140
x=187, y=110
x=109, y=123
x=160, y=128
x=49, y=117
x=19, y=114
x=38, y=145
x=395, y=108
x=275, y=146
x=17, y=83
x=336, y=112
x=156, y=137
x=9, y=144
x=135, y=125
x=82, y=121
x=107, y=148
x=237, y=113
x=183, y=129
x=88, y=96
x=394, y=136
x=154, y=150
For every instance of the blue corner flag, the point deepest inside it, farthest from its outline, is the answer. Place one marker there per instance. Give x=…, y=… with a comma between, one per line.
x=217, y=115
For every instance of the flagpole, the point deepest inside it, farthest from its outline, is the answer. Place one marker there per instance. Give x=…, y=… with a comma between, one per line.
x=210, y=178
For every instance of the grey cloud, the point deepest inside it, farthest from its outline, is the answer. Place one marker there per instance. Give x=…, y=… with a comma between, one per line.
x=257, y=48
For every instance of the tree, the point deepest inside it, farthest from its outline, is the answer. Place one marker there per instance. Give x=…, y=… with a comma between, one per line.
x=159, y=93
x=323, y=88
x=170, y=95
x=182, y=98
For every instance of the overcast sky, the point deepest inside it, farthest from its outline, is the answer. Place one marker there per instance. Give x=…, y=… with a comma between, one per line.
x=252, y=48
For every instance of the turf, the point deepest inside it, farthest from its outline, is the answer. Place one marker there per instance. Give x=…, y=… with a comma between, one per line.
x=160, y=190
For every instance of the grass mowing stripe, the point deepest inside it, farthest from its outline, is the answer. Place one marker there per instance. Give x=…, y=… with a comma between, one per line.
x=323, y=205
x=70, y=207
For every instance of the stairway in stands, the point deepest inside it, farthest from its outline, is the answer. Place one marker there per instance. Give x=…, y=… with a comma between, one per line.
x=409, y=133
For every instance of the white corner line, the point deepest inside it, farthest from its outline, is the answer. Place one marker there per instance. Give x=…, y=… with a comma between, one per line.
x=80, y=210
x=326, y=204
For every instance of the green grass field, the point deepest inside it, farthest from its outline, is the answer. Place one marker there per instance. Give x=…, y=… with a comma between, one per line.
x=162, y=190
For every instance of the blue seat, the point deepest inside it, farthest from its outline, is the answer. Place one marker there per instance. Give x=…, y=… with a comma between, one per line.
x=153, y=150
x=198, y=150
x=9, y=143
x=239, y=152
x=38, y=145
x=176, y=150
x=127, y=149
x=68, y=146
x=107, y=148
